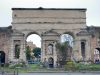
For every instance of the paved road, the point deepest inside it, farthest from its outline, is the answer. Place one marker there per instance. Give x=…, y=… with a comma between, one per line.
x=55, y=74
x=60, y=74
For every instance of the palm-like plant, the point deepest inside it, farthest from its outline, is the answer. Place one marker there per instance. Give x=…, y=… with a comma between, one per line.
x=64, y=51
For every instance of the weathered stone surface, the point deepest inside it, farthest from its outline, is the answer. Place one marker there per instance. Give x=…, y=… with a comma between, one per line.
x=49, y=24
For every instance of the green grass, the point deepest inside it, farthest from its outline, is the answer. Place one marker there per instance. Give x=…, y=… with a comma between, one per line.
x=29, y=68
x=94, y=67
x=88, y=67
x=36, y=67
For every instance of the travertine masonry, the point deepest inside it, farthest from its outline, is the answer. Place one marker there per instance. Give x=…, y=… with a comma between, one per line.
x=50, y=24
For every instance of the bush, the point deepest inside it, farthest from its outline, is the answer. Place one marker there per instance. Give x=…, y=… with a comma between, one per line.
x=20, y=63
x=69, y=65
x=87, y=67
x=13, y=66
x=94, y=67
x=6, y=65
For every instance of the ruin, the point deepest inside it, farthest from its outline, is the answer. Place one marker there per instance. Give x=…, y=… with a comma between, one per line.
x=49, y=24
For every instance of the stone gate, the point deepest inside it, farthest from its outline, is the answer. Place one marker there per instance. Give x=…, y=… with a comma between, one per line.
x=50, y=24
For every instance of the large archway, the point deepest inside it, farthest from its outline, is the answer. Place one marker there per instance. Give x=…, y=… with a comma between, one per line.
x=49, y=25
x=68, y=39
x=33, y=42
x=2, y=57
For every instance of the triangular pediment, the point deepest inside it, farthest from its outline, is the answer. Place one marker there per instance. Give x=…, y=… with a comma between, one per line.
x=16, y=32
x=83, y=32
x=50, y=32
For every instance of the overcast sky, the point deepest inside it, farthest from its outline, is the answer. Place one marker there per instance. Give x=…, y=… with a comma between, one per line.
x=93, y=8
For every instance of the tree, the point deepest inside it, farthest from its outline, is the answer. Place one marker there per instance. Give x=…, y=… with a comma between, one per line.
x=28, y=53
x=37, y=52
x=64, y=50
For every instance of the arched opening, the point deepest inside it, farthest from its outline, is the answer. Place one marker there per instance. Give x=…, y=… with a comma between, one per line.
x=51, y=62
x=67, y=43
x=35, y=39
x=2, y=57
x=33, y=47
x=97, y=55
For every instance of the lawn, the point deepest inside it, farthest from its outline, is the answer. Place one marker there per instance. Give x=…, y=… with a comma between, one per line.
x=38, y=68
x=88, y=67
x=29, y=68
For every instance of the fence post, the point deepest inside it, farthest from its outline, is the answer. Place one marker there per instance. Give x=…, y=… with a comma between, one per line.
x=14, y=72
x=17, y=69
x=3, y=68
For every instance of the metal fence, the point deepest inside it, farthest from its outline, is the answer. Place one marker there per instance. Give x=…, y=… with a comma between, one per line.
x=3, y=72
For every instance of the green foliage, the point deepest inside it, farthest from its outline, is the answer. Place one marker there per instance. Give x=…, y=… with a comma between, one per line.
x=28, y=53
x=87, y=67
x=37, y=52
x=19, y=63
x=62, y=47
x=17, y=51
x=69, y=65
x=6, y=65
x=63, y=51
x=34, y=66
x=14, y=66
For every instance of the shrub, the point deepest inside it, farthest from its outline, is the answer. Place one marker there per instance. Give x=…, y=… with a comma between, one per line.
x=6, y=65
x=13, y=66
x=69, y=65
x=20, y=63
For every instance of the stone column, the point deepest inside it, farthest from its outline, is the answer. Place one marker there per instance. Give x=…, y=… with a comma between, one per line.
x=88, y=51
x=11, y=51
x=42, y=50
x=92, y=47
x=55, y=55
x=22, y=50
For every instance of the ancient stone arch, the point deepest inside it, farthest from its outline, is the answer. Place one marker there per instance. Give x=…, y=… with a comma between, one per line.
x=50, y=24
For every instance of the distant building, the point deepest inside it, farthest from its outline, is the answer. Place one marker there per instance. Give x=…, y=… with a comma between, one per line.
x=31, y=45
